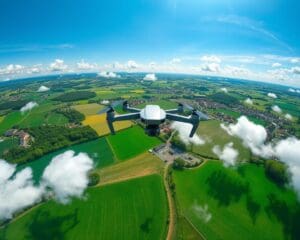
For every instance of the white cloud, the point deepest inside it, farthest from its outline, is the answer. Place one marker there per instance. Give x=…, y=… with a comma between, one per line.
x=294, y=60
x=228, y=155
x=12, y=69
x=272, y=95
x=249, y=101
x=277, y=109
x=211, y=58
x=150, y=77
x=16, y=192
x=43, y=89
x=224, y=90
x=275, y=65
x=58, y=65
x=82, y=65
x=252, y=135
x=288, y=116
x=288, y=151
x=108, y=74
x=132, y=64
x=28, y=107
x=211, y=67
x=296, y=70
x=67, y=175
x=184, y=130
x=292, y=90
x=202, y=212
x=175, y=61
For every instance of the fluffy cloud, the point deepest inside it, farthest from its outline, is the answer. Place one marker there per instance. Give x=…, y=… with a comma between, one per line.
x=132, y=64
x=272, y=95
x=249, y=101
x=288, y=151
x=108, y=74
x=16, y=192
x=275, y=65
x=224, y=90
x=211, y=67
x=294, y=60
x=58, y=65
x=202, y=212
x=228, y=154
x=12, y=69
x=296, y=70
x=211, y=58
x=82, y=65
x=288, y=116
x=292, y=90
x=43, y=89
x=277, y=109
x=28, y=107
x=253, y=136
x=184, y=130
x=67, y=175
x=150, y=77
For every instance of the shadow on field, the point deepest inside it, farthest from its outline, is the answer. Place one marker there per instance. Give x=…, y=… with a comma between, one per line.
x=288, y=216
x=145, y=226
x=253, y=208
x=47, y=227
x=224, y=188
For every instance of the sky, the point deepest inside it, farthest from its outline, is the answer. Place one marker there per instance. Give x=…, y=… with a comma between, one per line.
x=256, y=40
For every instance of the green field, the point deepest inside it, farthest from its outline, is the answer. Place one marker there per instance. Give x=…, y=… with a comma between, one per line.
x=8, y=143
x=131, y=142
x=98, y=150
x=134, y=209
x=243, y=203
x=165, y=104
x=215, y=135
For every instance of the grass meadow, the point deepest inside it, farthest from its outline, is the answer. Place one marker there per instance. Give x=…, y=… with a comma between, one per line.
x=242, y=203
x=131, y=142
x=134, y=209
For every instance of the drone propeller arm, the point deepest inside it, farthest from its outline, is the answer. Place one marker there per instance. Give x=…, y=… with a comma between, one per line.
x=175, y=110
x=179, y=118
x=129, y=116
x=133, y=110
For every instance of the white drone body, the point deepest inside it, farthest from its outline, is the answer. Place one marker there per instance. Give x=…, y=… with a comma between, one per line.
x=152, y=116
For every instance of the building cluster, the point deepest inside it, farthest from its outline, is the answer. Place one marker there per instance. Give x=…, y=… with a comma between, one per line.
x=24, y=137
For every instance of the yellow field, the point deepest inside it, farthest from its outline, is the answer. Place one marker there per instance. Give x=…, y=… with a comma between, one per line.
x=99, y=92
x=1, y=118
x=142, y=165
x=137, y=91
x=88, y=109
x=98, y=123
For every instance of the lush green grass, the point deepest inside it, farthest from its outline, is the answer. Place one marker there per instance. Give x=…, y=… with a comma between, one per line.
x=98, y=150
x=215, y=135
x=131, y=142
x=135, y=209
x=10, y=120
x=243, y=203
x=8, y=143
x=165, y=104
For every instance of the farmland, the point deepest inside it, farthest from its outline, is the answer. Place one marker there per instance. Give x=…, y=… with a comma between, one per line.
x=98, y=150
x=99, y=124
x=233, y=198
x=213, y=134
x=134, y=209
x=88, y=109
x=131, y=142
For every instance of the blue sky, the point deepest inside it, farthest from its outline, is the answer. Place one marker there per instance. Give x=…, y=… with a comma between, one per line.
x=212, y=35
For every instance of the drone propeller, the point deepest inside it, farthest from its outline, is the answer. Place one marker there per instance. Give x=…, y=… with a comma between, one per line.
x=111, y=106
x=201, y=115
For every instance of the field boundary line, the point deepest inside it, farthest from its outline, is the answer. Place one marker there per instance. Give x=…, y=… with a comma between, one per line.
x=201, y=235
x=112, y=149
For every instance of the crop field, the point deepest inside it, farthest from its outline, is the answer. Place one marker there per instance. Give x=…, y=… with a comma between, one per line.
x=142, y=165
x=165, y=104
x=98, y=123
x=242, y=203
x=1, y=118
x=98, y=150
x=213, y=134
x=131, y=142
x=134, y=209
x=88, y=109
x=10, y=120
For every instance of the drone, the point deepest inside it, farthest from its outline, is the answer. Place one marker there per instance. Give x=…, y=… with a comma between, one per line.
x=152, y=116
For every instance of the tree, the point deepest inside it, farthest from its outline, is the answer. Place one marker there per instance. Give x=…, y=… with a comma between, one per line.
x=277, y=172
x=94, y=179
x=178, y=164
